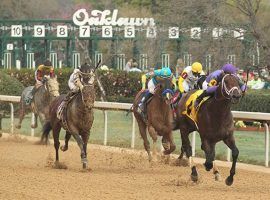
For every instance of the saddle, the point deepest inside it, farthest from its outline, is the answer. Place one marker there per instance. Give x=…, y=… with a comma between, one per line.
x=191, y=111
x=62, y=109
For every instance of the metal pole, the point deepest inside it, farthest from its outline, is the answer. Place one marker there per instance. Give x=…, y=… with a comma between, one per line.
x=266, y=144
x=105, y=127
x=193, y=143
x=228, y=154
x=11, y=118
x=33, y=122
x=133, y=132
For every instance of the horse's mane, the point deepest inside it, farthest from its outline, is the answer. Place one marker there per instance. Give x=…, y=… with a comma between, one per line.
x=54, y=86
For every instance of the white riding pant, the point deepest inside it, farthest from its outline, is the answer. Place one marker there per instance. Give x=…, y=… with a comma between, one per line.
x=187, y=86
x=151, y=86
x=204, y=85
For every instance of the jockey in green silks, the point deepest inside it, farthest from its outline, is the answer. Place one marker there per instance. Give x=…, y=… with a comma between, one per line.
x=156, y=75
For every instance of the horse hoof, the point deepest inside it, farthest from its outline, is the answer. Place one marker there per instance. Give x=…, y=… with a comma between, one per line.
x=84, y=165
x=34, y=126
x=64, y=148
x=208, y=166
x=18, y=126
x=229, y=181
x=194, y=178
x=217, y=177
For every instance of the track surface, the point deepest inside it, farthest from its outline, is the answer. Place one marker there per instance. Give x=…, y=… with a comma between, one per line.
x=26, y=172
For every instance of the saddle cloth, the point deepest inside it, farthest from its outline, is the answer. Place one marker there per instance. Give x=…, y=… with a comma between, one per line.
x=28, y=96
x=61, y=112
x=191, y=110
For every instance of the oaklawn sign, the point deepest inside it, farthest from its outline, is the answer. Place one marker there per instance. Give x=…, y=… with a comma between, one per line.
x=108, y=18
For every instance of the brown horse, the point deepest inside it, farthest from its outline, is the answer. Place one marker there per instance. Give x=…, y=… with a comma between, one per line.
x=78, y=115
x=40, y=102
x=159, y=118
x=214, y=124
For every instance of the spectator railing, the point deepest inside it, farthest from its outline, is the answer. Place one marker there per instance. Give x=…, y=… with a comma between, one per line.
x=248, y=116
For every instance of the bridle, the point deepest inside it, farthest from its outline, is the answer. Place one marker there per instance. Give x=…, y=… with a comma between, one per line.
x=225, y=92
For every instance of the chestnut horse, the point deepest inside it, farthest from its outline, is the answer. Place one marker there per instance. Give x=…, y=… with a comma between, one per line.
x=214, y=124
x=159, y=118
x=77, y=118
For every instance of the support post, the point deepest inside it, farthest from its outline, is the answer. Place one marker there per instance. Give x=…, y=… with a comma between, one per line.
x=11, y=118
x=266, y=144
x=228, y=154
x=133, y=131
x=193, y=143
x=105, y=127
x=33, y=122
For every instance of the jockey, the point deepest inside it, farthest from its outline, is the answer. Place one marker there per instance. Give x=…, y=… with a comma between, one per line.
x=189, y=77
x=157, y=74
x=74, y=81
x=44, y=70
x=210, y=84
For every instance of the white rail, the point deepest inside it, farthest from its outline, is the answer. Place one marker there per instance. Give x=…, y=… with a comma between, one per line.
x=265, y=117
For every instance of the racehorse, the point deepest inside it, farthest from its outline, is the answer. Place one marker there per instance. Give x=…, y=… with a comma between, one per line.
x=77, y=118
x=214, y=124
x=159, y=118
x=40, y=102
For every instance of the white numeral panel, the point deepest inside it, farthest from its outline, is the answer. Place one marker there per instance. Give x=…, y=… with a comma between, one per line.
x=16, y=30
x=174, y=32
x=84, y=31
x=39, y=31
x=62, y=31
x=129, y=32
x=107, y=31
x=151, y=32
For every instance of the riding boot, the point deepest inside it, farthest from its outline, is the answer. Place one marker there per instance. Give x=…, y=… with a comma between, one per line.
x=200, y=98
x=142, y=104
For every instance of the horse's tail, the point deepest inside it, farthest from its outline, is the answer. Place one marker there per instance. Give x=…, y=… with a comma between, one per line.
x=47, y=127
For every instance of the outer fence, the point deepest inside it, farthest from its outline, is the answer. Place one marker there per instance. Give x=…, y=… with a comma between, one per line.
x=265, y=117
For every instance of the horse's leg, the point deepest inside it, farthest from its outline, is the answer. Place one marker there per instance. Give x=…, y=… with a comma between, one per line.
x=230, y=142
x=80, y=143
x=85, y=137
x=56, y=131
x=22, y=114
x=142, y=128
x=163, y=129
x=153, y=135
x=209, y=150
x=172, y=144
x=188, y=150
x=67, y=137
x=35, y=121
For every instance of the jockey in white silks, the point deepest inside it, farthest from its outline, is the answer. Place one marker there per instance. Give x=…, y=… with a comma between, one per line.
x=189, y=77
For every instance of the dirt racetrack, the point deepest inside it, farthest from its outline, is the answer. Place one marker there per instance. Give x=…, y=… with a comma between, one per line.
x=26, y=173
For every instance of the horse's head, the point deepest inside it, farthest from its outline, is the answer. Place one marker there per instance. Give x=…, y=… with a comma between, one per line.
x=52, y=86
x=164, y=89
x=87, y=88
x=230, y=88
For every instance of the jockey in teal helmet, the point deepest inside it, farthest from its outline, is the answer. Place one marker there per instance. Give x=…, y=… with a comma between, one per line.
x=156, y=75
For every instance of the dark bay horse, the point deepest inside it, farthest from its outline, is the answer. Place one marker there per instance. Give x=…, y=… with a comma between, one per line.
x=78, y=115
x=214, y=124
x=40, y=102
x=159, y=118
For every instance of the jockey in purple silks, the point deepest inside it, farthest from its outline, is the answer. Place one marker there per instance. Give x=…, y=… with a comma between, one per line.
x=212, y=81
